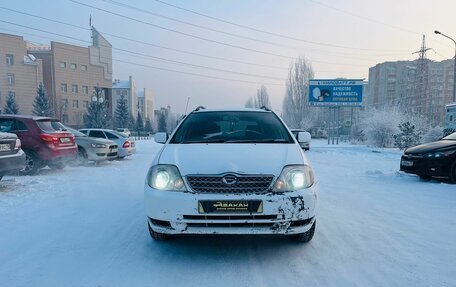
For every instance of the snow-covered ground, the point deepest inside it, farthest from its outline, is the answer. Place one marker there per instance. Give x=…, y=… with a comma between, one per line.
x=86, y=226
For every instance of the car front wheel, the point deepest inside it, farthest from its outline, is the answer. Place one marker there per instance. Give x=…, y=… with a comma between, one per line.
x=453, y=173
x=306, y=236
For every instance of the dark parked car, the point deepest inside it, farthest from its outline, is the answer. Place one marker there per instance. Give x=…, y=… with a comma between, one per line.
x=432, y=160
x=12, y=158
x=45, y=141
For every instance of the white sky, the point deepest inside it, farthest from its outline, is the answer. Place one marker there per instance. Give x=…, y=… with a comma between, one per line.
x=388, y=30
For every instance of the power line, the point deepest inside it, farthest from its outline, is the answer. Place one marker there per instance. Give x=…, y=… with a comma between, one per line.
x=264, y=31
x=229, y=33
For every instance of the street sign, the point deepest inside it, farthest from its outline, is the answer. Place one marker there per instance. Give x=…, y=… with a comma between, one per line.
x=335, y=92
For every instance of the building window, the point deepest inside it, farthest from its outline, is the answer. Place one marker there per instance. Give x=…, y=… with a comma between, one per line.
x=74, y=89
x=64, y=104
x=85, y=104
x=73, y=66
x=63, y=88
x=63, y=65
x=75, y=104
x=83, y=67
x=85, y=90
x=11, y=79
x=65, y=119
x=9, y=59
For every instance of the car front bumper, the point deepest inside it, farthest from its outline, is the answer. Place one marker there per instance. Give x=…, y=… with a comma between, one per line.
x=433, y=167
x=101, y=154
x=12, y=163
x=173, y=212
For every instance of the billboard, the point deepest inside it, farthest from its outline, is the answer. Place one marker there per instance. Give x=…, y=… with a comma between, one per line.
x=335, y=92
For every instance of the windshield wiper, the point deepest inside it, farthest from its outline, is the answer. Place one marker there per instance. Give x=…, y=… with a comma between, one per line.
x=203, y=141
x=259, y=141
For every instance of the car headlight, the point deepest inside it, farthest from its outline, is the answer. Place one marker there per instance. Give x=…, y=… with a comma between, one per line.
x=99, y=145
x=441, y=153
x=294, y=177
x=165, y=177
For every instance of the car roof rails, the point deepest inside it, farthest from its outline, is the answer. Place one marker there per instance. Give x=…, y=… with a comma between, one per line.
x=265, y=108
x=199, y=108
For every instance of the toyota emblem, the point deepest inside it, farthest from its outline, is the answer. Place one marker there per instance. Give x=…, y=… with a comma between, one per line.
x=229, y=179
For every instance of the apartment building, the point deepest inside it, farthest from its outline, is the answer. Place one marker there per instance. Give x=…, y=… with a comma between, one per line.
x=71, y=74
x=127, y=89
x=419, y=87
x=20, y=73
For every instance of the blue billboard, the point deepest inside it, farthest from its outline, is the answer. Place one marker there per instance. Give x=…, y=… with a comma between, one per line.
x=335, y=92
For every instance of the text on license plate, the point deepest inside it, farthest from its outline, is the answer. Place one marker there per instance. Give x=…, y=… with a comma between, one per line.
x=230, y=206
x=407, y=163
x=65, y=140
x=5, y=147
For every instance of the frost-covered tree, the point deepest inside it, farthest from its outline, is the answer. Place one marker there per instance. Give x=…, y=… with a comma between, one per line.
x=162, y=123
x=407, y=137
x=148, y=126
x=357, y=133
x=433, y=134
x=131, y=122
x=262, y=98
x=42, y=106
x=379, y=126
x=249, y=103
x=296, y=110
x=139, y=123
x=11, y=107
x=96, y=114
x=121, y=114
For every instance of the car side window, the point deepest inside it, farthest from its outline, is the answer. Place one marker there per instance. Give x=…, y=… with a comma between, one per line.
x=111, y=136
x=97, y=134
x=7, y=125
x=20, y=126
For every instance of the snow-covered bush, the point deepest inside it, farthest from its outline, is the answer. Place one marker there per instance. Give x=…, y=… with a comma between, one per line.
x=433, y=134
x=357, y=134
x=380, y=126
x=407, y=137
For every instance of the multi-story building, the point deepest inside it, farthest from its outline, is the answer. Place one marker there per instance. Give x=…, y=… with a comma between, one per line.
x=420, y=86
x=20, y=73
x=146, y=104
x=127, y=89
x=71, y=74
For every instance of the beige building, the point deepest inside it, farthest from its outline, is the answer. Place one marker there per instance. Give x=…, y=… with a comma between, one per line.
x=71, y=74
x=127, y=89
x=146, y=104
x=20, y=73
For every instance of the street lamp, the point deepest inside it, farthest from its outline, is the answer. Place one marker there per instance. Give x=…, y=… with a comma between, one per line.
x=454, y=73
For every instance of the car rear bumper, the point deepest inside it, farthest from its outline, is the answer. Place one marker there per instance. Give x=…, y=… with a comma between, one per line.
x=12, y=163
x=173, y=212
x=123, y=152
x=59, y=154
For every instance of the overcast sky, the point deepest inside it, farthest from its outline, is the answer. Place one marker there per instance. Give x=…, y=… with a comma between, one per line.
x=339, y=38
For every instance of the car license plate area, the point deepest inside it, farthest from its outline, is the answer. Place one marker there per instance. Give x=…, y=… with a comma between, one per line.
x=407, y=163
x=5, y=147
x=230, y=206
x=65, y=140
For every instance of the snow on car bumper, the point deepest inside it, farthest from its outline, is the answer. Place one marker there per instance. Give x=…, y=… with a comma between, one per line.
x=173, y=212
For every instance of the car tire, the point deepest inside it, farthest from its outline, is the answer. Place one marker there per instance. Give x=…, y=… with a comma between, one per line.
x=57, y=165
x=306, y=236
x=81, y=158
x=157, y=235
x=32, y=163
x=453, y=173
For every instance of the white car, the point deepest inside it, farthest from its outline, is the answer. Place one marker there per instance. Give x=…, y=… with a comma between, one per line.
x=125, y=145
x=236, y=171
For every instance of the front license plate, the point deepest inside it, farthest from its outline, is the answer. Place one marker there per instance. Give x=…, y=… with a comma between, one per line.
x=5, y=147
x=230, y=206
x=407, y=163
x=65, y=140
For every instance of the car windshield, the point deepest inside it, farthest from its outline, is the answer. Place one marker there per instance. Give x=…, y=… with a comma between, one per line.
x=50, y=125
x=76, y=133
x=232, y=127
x=451, y=137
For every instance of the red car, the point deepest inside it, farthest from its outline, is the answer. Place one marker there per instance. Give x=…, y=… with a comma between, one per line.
x=45, y=141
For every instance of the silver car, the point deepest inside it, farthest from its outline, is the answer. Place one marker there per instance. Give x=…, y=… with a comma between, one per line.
x=93, y=149
x=125, y=145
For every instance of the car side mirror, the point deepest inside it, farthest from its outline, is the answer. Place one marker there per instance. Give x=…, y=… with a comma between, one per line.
x=304, y=137
x=161, y=137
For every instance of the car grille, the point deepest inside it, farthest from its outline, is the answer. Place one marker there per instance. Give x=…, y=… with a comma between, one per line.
x=230, y=183
x=112, y=146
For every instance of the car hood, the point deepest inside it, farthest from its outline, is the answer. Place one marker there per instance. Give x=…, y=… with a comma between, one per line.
x=431, y=147
x=7, y=136
x=94, y=140
x=236, y=158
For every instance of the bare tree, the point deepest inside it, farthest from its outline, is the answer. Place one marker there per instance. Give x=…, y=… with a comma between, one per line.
x=296, y=110
x=261, y=99
x=249, y=103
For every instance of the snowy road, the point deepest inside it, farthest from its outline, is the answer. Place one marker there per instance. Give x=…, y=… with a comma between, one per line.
x=87, y=227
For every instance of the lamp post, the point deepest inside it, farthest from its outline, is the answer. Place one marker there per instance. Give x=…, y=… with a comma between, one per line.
x=454, y=73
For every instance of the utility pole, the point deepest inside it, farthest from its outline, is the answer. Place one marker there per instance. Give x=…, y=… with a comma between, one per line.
x=421, y=78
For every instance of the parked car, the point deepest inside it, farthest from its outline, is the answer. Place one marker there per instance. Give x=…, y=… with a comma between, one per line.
x=125, y=145
x=93, y=149
x=234, y=171
x=305, y=141
x=432, y=160
x=124, y=131
x=12, y=158
x=45, y=141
